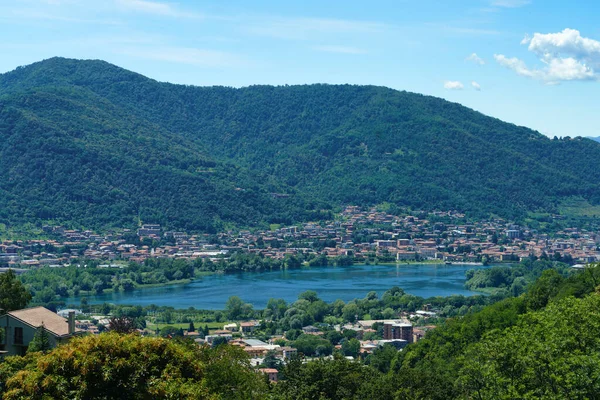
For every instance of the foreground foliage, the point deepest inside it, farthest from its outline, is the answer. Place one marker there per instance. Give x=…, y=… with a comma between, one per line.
x=554, y=353
x=111, y=366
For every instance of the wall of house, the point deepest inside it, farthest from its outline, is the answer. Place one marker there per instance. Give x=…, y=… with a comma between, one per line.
x=8, y=325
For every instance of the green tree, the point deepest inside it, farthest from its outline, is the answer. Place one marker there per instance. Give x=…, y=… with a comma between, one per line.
x=308, y=344
x=234, y=307
x=40, y=341
x=339, y=379
x=112, y=366
x=271, y=360
x=122, y=324
x=552, y=353
x=13, y=294
x=309, y=295
x=381, y=359
x=351, y=347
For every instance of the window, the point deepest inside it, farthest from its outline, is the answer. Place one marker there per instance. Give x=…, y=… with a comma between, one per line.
x=18, y=336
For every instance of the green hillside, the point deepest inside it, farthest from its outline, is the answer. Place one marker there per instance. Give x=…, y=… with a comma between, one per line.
x=93, y=144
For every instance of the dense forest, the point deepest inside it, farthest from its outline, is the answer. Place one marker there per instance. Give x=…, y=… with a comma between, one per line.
x=86, y=143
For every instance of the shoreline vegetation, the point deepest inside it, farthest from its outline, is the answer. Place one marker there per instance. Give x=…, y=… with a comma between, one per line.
x=52, y=287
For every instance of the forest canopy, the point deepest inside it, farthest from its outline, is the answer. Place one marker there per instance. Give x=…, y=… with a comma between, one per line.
x=89, y=144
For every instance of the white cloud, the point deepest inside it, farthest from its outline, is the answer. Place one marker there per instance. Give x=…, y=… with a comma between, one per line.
x=340, y=49
x=567, y=69
x=566, y=56
x=510, y=3
x=453, y=85
x=568, y=42
x=515, y=64
x=476, y=86
x=476, y=59
x=154, y=7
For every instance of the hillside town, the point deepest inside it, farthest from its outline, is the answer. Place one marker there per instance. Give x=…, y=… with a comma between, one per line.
x=363, y=235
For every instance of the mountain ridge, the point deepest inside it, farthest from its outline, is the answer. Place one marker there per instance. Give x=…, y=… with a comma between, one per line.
x=324, y=145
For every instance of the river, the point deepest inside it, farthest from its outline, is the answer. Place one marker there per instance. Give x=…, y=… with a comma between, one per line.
x=346, y=283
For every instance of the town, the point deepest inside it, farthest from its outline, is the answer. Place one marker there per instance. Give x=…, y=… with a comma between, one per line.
x=360, y=235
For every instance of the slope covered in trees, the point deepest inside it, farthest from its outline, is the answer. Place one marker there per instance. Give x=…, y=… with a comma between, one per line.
x=89, y=142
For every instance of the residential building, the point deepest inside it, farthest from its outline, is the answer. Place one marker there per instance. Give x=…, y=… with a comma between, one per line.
x=398, y=330
x=20, y=326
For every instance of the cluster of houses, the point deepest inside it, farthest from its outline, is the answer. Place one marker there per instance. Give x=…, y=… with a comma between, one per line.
x=356, y=232
x=19, y=328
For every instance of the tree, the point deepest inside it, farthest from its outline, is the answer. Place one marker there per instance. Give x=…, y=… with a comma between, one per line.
x=191, y=328
x=336, y=380
x=309, y=295
x=112, y=366
x=308, y=344
x=543, y=289
x=546, y=355
x=123, y=325
x=271, y=360
x=351, y=347
x=382, y=357
x=277, y=307
x=236, y=309
x=41, y=340
x=350, y=312
x=13, y=294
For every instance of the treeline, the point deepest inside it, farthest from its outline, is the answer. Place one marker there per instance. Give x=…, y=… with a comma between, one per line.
x=50, y=286
x=513, y=279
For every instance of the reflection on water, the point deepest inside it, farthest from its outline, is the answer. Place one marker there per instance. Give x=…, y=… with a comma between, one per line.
x=331, y=283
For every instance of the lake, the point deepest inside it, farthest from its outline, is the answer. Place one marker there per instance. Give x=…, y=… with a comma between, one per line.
x=331, y=283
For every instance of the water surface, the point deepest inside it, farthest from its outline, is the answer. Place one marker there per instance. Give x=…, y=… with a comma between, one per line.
x=330, y=283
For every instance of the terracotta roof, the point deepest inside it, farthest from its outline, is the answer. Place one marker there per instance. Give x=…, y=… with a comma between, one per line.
x=37, y=316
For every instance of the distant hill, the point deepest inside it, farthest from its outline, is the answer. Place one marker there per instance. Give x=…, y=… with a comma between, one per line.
x=89, y=143
x=597, y=139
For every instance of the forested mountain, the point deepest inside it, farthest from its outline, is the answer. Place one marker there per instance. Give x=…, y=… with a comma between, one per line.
x=93, y=144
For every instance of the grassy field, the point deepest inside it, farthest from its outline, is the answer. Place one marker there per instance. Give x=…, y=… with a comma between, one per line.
x=211, y=325
x=395, y=263
x=578, y=207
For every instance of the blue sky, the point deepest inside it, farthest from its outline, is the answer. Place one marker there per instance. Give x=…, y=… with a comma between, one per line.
x=531, y=62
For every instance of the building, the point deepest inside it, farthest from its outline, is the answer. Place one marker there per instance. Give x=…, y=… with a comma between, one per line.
x=149, y=230
x=513, y=233
x=271, y=373
x=289, y=352
x=20, y=326
x=249, y=327
x=210, y=339
x=398, y=330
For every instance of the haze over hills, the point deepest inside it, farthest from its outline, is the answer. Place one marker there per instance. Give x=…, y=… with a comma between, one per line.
x=89, y=143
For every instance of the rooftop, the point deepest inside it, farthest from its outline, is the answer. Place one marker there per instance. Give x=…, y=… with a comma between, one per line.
x=39, y=316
